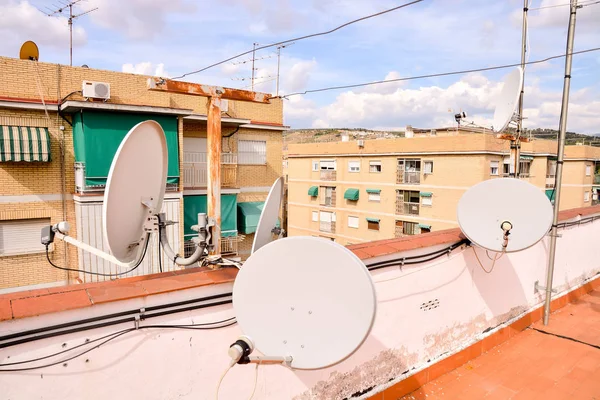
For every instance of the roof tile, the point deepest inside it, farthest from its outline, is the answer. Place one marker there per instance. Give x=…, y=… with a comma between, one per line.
x=32, y=306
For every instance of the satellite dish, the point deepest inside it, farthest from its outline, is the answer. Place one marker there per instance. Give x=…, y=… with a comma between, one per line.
x=491, y=207
x=508, y=100
x=289, y=300
x=135, y=189
x=29, y=51
x=268, y=216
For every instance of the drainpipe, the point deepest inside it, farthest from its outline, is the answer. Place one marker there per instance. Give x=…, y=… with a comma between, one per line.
x=213, y=189
x=560, y=158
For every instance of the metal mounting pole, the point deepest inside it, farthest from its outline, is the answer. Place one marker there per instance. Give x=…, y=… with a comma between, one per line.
x=253, y=58
x=560, y=158
x=71, y=34
x=515, y=145
x=213, y=188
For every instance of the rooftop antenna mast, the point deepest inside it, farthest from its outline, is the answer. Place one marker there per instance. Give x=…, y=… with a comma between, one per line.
x=278, y=62
x=515, y=144
x=72, y=17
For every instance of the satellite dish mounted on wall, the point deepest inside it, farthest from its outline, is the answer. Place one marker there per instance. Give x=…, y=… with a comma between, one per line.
x=295, y=319
x=490, y=218
x=29, y=51
x=133, y=199
x=508, y=100
x=267, y=222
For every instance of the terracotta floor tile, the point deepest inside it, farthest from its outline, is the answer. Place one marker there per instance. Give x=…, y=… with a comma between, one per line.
x=500, y=393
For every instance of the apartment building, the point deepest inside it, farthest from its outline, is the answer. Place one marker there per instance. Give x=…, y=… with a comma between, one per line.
x=359, y=191
x=56, y=147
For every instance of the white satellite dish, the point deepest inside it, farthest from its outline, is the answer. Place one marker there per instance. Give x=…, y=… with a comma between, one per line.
x=135, y=189
x=268, y=216
x=508, y=100
x=485, y=208
x=305, y=298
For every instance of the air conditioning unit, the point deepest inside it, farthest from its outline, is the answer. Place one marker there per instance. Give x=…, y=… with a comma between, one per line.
x=361, y=143
x=96, y=90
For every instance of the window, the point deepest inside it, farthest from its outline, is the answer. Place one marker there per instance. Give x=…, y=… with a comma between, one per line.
x=327, y=195
x=428, y=167
x=410, y=228
x=252, y=152
x=588, y=170
x=315, y=165
x=408, y=171
x=315, y=216
x=285, y=164
x=353, y=166
x=427, y=200
x=375, y=166
x=551, y=168
x=352, y=222
x=326, y=221
x=374, y=195
x=506, y=166
x=524, y=168
x=407, y=202
x=494, y=167
x=327, y=165
x=21, y=236
x=373, y=224
x=586, y=196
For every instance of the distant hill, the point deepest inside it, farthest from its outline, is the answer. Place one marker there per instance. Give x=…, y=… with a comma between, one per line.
x=294, y=136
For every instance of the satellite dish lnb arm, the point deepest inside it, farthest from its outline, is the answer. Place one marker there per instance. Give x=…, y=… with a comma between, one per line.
x=164, y=242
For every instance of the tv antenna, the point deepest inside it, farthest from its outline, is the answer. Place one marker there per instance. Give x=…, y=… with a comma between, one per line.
x=293, y=319
x=131, y=210
x=59, y=10
x=282, y=46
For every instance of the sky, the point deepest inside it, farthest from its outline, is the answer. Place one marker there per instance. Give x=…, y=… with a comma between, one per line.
x=170, y=38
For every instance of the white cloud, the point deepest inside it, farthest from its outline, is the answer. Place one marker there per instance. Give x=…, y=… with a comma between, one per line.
x=20, y=21
x=298, y=76
x=137, y=19
x=427, y=107
x=146, y=68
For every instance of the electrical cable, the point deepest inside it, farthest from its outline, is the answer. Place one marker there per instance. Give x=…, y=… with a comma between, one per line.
x=300, y=38
x=99, y=273
x=496, y=258
x=466, y=71
x=255, y=381
x=565, y=337
x=581, y=4
x=159, y=253
x=410, y=260
x=221, y=380
x=114, y=336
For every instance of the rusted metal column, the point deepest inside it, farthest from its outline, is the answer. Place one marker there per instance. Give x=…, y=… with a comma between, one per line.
x=213, y=163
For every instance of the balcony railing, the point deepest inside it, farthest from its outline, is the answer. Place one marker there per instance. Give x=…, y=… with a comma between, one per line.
x=408, y=177
x=195, y=173
x=550, y=181
x=406, y=208
x=229, y=246
x=328, y=175
x=597, y=179
x=327, y=227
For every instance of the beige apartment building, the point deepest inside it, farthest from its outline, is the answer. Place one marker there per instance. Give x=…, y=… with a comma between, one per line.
x=56, y=147
x=367, y=190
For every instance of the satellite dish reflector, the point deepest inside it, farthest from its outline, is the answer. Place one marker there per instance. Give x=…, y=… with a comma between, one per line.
x=305, y=297
x=490, y=208
x=508, y=100
x=29, y=51
x=135, y=189
x=268, y=216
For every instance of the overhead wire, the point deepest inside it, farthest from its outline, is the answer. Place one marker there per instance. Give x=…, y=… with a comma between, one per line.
x=300, y=38
x=460, y=72
x=580, y=4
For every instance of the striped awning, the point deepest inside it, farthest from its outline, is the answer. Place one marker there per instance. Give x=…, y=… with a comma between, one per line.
x=24, y=143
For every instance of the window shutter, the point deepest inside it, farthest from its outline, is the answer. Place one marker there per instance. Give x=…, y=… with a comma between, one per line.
x=22, y=236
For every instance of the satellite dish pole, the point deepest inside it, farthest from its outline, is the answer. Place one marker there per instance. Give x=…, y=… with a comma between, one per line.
x=560, y=157
x=515, y=144
x=72, y=17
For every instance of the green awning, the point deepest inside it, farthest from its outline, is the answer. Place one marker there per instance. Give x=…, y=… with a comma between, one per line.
x=24, y=143
x=98, y=134
x=192, y=205
x=351, y=194
x=550, y=194
x=425, y=194
x=424, y=226
x=373, y=190
x=313, y=191
x=527, y=158
x=376, y=220
x=248, y=215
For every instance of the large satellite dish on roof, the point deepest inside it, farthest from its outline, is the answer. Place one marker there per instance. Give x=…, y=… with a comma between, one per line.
x=29, y=51
x=490, y=217
x=508, y=100
x=295, y=319
x=269, y=216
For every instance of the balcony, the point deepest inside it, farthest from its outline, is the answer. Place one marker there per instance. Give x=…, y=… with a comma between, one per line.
x=195, y=173
x=406, y=208
x=597, y=179
x=229, y=246
x=550, y=181
x=408, y=177
x=328, y=175
x=328, y=227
